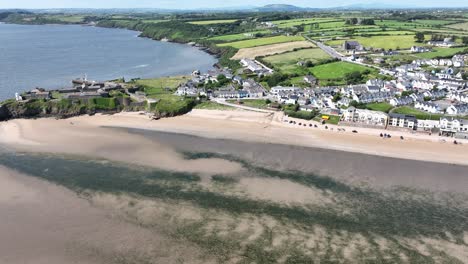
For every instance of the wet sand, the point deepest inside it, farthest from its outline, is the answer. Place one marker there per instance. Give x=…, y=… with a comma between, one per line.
x=90, y=231
x=253, y=136
x=41, y=223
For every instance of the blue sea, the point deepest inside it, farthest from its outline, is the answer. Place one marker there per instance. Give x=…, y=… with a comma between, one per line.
x=50, y=56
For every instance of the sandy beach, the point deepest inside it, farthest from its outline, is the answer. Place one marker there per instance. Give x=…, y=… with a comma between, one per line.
x=360, y=190
x=86, y=134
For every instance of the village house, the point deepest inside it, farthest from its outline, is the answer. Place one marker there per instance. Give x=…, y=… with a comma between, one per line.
x=230, y=93
x=427, y=125
x=363, y=117
x=406, y=100
x=418, y=49
x=424, y=85
x=277, y=89
x=399, y=121
x=460, y=109
x=447, y=43
x=417, y=97
x=435, y=94
x=187, y=91
x=450, y=126
x=459, y=97
x=428, y=107
x=376, y=82
x=37, y=93
x=255, y=91
x=373, y=97
x=345, y=101
x=310, y=80
x=254, y=67
x=352, y=45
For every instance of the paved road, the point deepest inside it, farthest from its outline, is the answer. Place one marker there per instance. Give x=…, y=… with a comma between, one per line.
x=332, y=52
x=329, y=50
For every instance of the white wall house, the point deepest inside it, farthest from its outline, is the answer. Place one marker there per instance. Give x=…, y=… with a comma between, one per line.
x=365, y=117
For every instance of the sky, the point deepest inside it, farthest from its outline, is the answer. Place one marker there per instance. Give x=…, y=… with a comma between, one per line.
x=191, y=4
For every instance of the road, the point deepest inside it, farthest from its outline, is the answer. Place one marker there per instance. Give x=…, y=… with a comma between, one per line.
x=332, y=52
x=329, y=50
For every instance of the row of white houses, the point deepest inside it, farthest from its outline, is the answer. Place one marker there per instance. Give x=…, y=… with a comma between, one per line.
x=450, y=126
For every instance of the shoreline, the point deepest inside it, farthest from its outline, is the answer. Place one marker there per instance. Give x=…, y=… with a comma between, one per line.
x=138, y=34
x=240, y=125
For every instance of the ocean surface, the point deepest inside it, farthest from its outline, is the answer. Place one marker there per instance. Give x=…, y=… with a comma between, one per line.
x=50, y=56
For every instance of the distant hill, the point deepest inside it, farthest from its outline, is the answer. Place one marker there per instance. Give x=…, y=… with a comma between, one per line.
x=280, y=8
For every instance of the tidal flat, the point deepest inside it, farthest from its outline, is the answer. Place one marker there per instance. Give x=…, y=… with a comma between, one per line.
x=272, y=210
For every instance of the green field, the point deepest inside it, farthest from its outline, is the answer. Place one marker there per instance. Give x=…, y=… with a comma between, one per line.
x=67, y=18
x=154, y=20
x=301, y=21
x=462, y=26
x=407, y=110
x=209, y=105
x=440, y=52
x=158, y=85
x=382, y=107
x=433, y=21
x=255, y=103
x=261, y=41
x=287, y=62
x=384, y=42
x=336, y=70
x=212, y=22
x=240, y=36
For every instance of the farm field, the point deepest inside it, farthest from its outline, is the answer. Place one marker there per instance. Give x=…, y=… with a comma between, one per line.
x=271, y=49
x=158, y=86
x=301, y=21
x=67, y=18
x=154, y=20
x=384, y=42
x=336, y=70
x=462, y=26
x=433, y=21
x=240, y=36
x=287, y=62
x=440, y=52
x=261, y=41
x=213, y=22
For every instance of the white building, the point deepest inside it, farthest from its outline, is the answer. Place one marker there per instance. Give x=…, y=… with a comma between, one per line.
x=427, y=125
x=451, y=126
x=402, y=121
x=277, y=89
x=365, y=117
x=461, y=109
x=428, y=107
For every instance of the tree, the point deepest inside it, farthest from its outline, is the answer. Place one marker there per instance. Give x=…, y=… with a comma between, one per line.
x=465, y=76
x=336, y=98
x=465, y=40
x=222, y=80
x=419, y=37
x=353, y=77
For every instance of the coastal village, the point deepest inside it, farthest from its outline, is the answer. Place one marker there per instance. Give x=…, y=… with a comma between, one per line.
x=300, y=135
x=431, y=86
x=331, y=80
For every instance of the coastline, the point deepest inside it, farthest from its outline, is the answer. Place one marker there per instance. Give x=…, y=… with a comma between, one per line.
x=238, y=125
